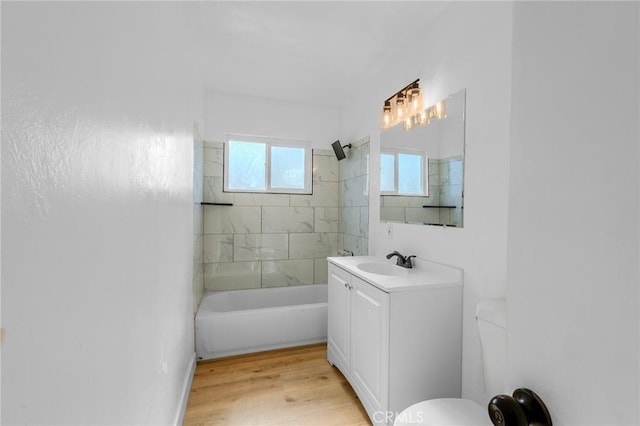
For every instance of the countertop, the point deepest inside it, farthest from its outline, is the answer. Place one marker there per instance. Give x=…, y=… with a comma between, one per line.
x=425, y=273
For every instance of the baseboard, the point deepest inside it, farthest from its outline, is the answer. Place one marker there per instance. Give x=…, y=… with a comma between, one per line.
x=186, y=389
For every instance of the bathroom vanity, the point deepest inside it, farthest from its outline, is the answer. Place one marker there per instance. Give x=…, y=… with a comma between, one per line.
x=395, y=333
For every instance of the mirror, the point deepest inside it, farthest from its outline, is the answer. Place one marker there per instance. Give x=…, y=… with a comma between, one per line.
x=422, y=169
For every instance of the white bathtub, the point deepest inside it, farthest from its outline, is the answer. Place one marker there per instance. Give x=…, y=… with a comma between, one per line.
x=244, y=321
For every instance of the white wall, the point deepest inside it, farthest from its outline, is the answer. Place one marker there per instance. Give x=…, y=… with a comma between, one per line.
x=468, y=46
x=573, y=210
x=96, y=214
x=248, y=115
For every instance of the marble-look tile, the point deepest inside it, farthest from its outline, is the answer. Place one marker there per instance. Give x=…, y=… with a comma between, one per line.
x=357, y=245
x=455, y=217
x=326, y=219
x=351, y=166
x=350, y=220
x=287, y=219
x=445, y=216
x=253, y=199
x=443, y=170
x=364, y=222
x=213, y=192
x=198, y=248
x=320, y=271
x=455, y=172
x=434, y=173
x=232, y=276
x=364, y=159
x=198, y=190
x=287, y=272
x=197, y=286
x=451, y=195
x=362, y=245
x=324, y=152
x=198, y=171
x=325, y=168
x=218, y=248
x=260, y=247
x=356, y=163
x=362, y=141
x=392, y=214
x=213, y=144
x=231, y=220
x=198, y=219
x=308, y=246
x=325, y=194
x=198, y=277
x=354, y=192
x=402, y=201
x=213, y=162
x=421, y=215
x=434, y=196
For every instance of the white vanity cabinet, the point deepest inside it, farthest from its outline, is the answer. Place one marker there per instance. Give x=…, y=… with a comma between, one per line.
x=358, y=334
x=396, y=347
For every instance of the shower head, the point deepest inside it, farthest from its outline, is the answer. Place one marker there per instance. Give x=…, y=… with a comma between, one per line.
x=338, y=149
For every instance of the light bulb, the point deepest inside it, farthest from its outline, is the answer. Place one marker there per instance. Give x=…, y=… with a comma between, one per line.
x=422, y=117
x=385, y=121
x=400, y=109
x=408, y=123
x=416, y=100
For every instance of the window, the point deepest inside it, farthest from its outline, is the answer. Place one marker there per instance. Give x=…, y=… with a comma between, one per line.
x=254, y=164
x=403, y=173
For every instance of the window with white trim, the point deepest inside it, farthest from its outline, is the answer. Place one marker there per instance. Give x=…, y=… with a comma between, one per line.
x=267, y=165
x=404, y=173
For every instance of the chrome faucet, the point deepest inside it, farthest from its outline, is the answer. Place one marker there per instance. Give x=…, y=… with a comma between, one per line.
x=404, y=262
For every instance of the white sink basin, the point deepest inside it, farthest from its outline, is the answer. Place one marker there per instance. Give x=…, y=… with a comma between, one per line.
x=382, y=268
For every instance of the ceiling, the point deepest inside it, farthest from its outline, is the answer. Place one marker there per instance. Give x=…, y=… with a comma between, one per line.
x=312, y=52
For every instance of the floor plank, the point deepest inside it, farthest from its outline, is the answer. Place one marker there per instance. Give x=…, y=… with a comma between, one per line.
x=293, y=386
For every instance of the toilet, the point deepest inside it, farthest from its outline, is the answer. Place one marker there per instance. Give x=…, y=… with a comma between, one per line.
x=492, y=319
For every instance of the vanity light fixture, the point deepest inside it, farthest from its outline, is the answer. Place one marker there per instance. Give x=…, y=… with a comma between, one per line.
x=406, y=106
x=402, y=105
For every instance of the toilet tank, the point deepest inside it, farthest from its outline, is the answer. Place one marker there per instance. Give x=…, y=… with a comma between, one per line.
x=491, y=315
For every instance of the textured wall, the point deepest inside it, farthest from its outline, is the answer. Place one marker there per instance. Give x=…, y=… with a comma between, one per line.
x=96, y=216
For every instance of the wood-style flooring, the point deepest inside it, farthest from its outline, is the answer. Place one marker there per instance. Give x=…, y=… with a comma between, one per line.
x=293, y=386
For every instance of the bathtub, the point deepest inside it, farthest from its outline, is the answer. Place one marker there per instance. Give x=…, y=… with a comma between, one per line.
x=245, y=321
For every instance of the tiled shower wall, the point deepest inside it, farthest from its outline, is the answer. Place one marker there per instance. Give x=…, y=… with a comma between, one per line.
x=269, y=240
x=451, y=179
x=354, y=198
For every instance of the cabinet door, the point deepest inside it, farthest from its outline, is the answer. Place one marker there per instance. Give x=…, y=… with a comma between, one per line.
x=370, y=344
x=339, y=322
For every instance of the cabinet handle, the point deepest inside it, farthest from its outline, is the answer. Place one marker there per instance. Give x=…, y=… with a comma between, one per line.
x=346, y=285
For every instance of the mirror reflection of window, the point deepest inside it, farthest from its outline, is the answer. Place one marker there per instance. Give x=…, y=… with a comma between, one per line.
x=404, y=173
x=387, y=172
x=411, y=174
